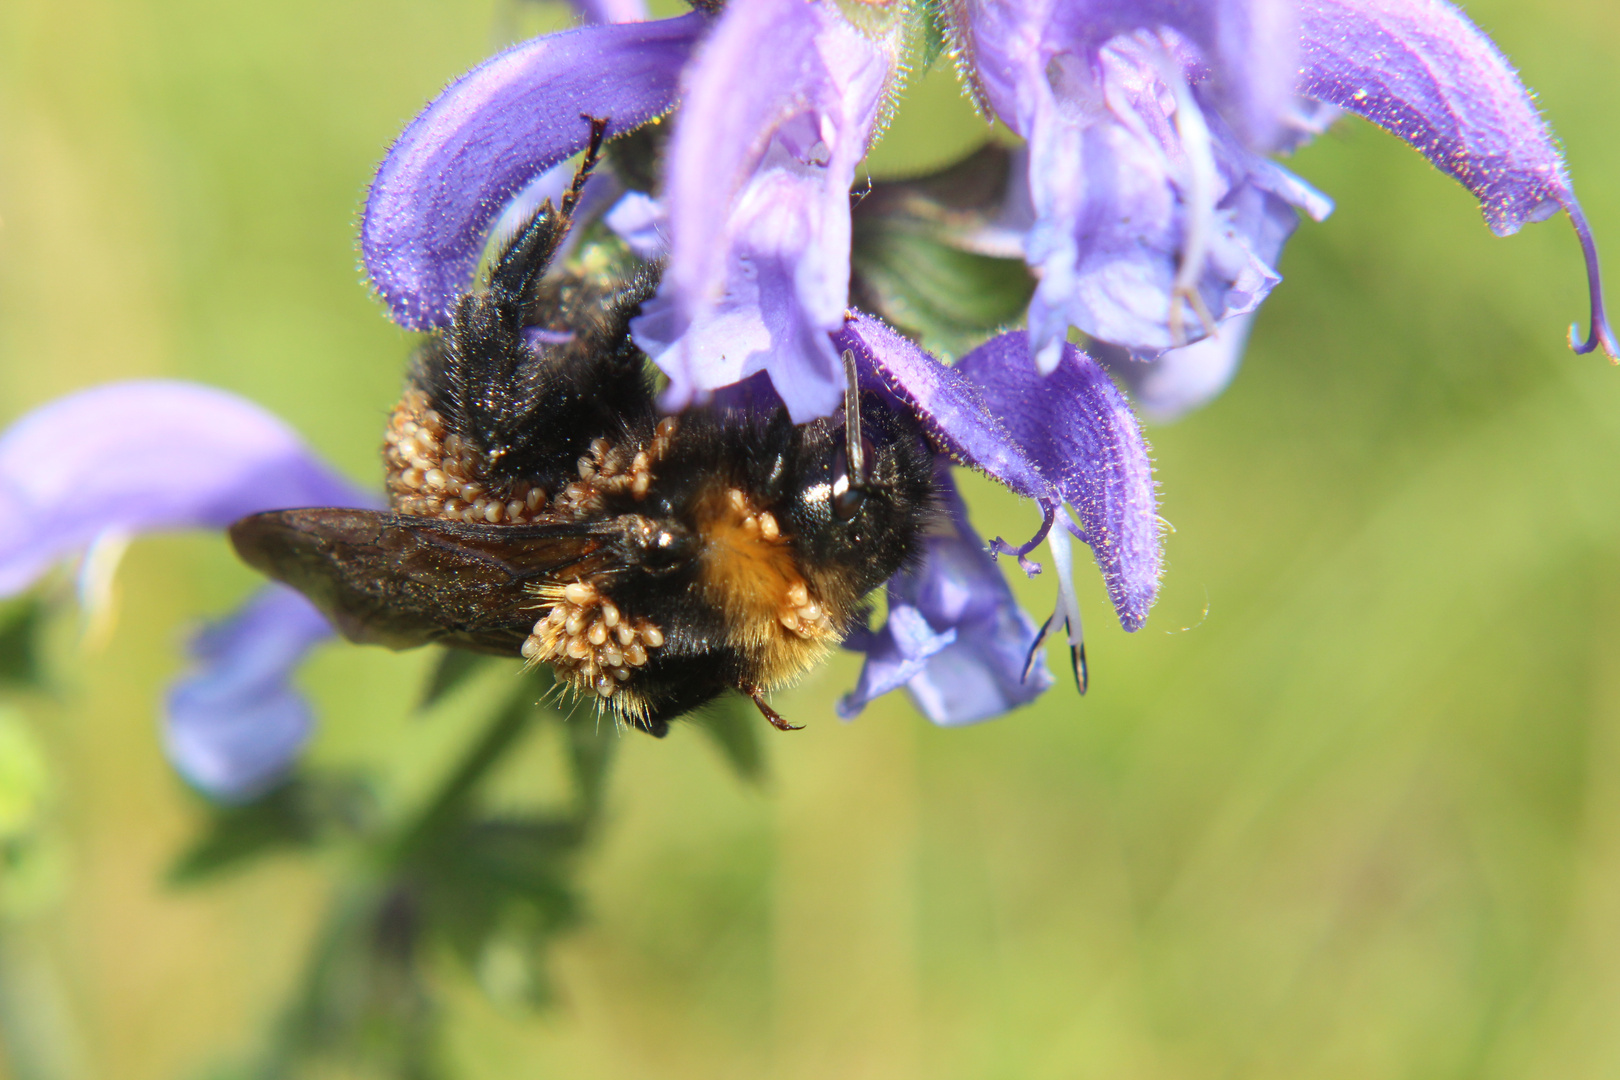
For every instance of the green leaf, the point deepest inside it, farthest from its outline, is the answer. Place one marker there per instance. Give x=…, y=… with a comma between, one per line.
x=453, y=670
x=301, y=813
x=921, y=257
x=733, y=724
x=498, y=875
x=21, y=623
x=949, y=299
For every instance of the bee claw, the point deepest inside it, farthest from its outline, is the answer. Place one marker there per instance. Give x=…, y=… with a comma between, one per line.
x=777, y=720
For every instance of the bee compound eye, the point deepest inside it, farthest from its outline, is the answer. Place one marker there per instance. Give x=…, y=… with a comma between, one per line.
x=847, y=499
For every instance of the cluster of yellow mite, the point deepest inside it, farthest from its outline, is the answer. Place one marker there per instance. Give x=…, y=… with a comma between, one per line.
x=748, y=527
x=433, y=473
x=586, y=634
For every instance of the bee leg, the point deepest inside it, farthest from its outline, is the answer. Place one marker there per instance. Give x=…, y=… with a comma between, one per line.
x=776, y=718
x=656, y=728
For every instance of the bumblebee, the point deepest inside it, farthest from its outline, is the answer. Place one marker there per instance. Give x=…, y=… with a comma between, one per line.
x=540, y=506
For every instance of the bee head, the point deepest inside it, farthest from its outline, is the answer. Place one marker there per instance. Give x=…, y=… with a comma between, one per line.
x=865, y=492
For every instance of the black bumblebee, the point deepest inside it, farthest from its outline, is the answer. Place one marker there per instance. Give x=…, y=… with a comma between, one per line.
x=542, y=507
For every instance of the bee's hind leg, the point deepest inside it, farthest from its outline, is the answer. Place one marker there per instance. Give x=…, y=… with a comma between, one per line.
x=777, y=720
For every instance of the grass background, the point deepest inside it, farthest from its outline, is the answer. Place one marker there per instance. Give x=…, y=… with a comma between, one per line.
x=1349, y=806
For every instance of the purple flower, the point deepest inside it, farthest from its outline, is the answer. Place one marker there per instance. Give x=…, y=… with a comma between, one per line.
x=1068, y=439
x=778, y=110
x=1156, y=220
x=1422, y=71
x=955, y=638
x=234, y=724
x=136, y=457
x=492, y=133
x=1148, y=209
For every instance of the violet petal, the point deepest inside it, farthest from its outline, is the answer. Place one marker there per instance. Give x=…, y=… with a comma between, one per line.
x=139, y=456
x=949, y=404
x=493, y=131
x=234, y=725
x=1422, y=71
x=955, y=637
x=778, y=109
x=1078, y=429
x=1154, y=220
x=895, y=654
x=1247, y=46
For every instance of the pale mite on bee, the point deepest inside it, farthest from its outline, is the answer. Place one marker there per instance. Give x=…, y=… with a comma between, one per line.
x=541, y=506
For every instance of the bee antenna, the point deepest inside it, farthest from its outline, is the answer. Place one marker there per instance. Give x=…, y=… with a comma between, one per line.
x=852, y=420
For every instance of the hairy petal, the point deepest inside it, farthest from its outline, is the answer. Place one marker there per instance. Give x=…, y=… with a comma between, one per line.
x=138, y=456
x=492, y=132
x=955, y=637
x=1422, y=71
x=779, y=108
x=233, y=724
x=1079, y=431
x=947, y=402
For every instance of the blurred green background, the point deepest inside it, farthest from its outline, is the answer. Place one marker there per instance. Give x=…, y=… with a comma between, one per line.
x=1348, y=806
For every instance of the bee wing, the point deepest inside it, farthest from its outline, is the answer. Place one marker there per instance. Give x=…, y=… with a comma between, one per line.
x=403, y=581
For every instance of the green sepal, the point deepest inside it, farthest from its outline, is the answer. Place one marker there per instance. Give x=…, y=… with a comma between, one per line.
x=948, y=299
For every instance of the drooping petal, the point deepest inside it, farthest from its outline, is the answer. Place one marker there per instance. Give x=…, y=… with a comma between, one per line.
x=493, y=131
x=895, y=654
x=1177, y=381
x=139, y=456
x=234, y=725
x=1422, y=71
x=1079, y=431
x=779, y=108
x=955, y=637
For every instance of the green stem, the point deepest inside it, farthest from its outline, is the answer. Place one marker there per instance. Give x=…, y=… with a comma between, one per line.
x=508, y=726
